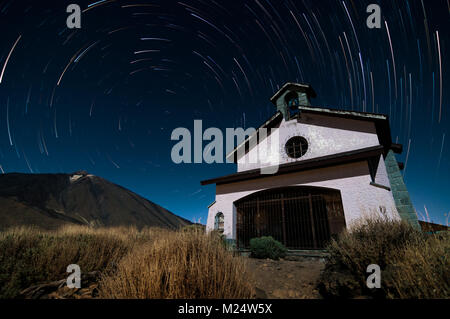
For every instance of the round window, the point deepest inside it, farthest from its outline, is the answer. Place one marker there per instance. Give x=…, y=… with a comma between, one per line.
x=296, y=147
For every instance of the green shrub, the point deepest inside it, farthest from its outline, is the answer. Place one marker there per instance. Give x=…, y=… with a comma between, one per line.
x=267, y=247
x=413, y=264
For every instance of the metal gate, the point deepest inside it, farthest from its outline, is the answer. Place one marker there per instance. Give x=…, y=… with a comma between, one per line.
x=299, y=217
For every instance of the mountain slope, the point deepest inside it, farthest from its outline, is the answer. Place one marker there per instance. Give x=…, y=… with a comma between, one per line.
x=53, y=200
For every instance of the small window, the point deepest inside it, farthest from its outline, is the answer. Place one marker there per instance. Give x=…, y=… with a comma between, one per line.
x=292, y=100
x=219, y=222
x=294, y=103
x=296, y=147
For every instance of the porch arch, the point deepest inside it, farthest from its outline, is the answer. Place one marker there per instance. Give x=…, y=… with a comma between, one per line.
x=301, y=217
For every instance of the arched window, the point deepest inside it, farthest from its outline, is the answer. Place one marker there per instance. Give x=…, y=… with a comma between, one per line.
x=219, y=222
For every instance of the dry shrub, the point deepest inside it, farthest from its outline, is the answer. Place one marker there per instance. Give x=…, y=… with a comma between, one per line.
x=413, y=264
x=178, y=265
x=30, y=255
x=146, y=263
x=422, y=270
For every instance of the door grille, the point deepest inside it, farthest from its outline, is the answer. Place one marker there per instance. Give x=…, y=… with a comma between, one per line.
x=299, y=217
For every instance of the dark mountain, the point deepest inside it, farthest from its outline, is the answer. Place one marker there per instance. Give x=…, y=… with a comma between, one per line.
x=52, y=200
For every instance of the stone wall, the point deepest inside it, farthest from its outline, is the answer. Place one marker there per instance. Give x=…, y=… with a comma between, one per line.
x=402, y=200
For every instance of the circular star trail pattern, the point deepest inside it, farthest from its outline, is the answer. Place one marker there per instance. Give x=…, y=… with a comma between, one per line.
x=106, y=97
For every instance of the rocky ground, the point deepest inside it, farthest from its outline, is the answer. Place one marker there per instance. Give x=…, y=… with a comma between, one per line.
x=291, y=278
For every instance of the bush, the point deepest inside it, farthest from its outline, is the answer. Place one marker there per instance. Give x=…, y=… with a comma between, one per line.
x=29, y=256
x=267, y=247
x=194, y=228
x=422, y=271
x=180, y=265
x=150, y=263
x=413, y=264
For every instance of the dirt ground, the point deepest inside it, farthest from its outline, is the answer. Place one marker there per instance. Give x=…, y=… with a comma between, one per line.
x=291, y=278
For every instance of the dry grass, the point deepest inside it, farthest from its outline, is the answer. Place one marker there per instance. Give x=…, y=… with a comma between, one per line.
x=179, y=265
x=157, y=263
x=422, y=270
x=31, y=256
x=413, y=264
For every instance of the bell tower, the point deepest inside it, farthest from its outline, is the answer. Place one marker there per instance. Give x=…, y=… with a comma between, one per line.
x=291, y=96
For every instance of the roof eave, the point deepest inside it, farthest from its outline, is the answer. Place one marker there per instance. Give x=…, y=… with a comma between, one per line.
x=314, y=163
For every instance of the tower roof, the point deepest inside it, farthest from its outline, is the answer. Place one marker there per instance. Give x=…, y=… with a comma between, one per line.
x=298, y=87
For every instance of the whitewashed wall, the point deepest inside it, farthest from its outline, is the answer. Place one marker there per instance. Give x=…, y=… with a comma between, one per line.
x=382, y=177
x=359, y=198
x=325, y=135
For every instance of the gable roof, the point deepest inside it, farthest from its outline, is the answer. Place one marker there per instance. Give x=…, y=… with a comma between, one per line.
x=381, y=121
x=212, y=204
x=306, y=88
x=270, y=123
x=344, y=113
x=381, y=125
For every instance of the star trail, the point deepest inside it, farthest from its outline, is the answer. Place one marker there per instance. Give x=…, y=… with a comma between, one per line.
x=105, y=98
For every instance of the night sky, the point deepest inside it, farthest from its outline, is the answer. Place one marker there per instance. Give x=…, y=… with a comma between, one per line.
x=105, y=98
